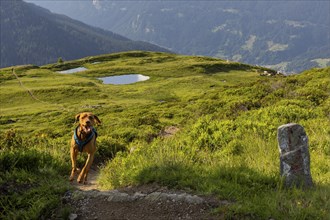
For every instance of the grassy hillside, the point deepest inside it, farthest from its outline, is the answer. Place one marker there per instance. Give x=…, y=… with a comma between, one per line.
x=226, y=113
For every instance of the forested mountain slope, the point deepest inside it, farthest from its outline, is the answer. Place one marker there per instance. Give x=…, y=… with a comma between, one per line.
x=290, y=36
x=33, y=35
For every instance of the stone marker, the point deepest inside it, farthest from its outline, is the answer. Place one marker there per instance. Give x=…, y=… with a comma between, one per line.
x=294, y=156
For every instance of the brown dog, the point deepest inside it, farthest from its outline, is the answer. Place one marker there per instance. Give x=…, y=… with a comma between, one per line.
x=84, y=140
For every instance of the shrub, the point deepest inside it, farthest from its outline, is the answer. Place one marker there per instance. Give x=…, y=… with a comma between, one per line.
x=315, y=95
x=60, y=60
x=108, y=147
x=212, y=134
x=10, y=140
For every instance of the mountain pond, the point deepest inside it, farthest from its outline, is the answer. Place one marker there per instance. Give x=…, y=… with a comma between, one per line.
x=74, y=70
x=124, y=79
x=115, y=80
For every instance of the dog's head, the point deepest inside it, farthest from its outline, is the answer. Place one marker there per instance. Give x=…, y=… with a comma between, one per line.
x=87, y=121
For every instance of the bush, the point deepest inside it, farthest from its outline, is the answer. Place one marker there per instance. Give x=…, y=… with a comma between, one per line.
x=315, y=95
x=60, y=60
x=108, y=147
x=211, y=134
x=10, y=140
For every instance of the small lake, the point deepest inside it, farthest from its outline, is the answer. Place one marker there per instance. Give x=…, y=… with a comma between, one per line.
x=124, y=79
x=74, y=70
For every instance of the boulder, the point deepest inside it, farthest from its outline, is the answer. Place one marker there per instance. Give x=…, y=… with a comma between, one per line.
x=294, y=156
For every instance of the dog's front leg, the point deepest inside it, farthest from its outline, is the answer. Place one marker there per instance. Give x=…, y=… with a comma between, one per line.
x=73, y=155
x=90, y=162
x=84, y=172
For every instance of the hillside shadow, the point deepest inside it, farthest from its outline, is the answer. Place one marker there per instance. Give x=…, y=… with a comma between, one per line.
x=229, y=182
x=210, y=68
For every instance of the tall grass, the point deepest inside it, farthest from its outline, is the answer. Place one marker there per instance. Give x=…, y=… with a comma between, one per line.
x=32, y=176
x=248, y=178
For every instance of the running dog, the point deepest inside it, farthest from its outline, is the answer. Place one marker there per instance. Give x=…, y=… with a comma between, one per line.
x=83, y=140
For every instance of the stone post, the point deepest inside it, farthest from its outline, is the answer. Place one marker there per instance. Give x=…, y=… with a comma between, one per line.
x=294, y=156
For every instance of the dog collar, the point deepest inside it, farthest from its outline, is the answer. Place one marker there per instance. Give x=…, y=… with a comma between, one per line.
x=82, y=143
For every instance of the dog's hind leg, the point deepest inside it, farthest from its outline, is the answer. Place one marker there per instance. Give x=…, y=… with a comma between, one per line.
x=73, y=155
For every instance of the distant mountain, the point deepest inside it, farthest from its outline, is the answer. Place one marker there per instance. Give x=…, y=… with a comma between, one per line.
x=289, y=35
x=33, y=35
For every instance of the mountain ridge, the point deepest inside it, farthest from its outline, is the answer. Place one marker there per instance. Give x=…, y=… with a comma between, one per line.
x=33, y=35
x=287, y=35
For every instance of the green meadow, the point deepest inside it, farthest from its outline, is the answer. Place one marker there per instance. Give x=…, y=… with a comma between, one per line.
x=226, y=115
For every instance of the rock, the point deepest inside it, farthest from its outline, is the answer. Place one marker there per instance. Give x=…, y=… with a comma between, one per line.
x=158, y=196
x=294, y=156
x=153, y=196
x=78, y=195
x=172, y=197
x=194, y=199
x=169, y=131
x=138, y=195
x=119, y=197
x=73, y=216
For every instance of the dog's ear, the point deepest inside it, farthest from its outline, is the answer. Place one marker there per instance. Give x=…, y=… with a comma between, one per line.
x=97, y=120
x=77, y=117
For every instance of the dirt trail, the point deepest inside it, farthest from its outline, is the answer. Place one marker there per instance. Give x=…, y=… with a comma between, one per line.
x=92, y=181
x=147, y=202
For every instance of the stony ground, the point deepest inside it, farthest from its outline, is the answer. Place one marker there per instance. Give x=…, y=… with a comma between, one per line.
x=140, y=202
